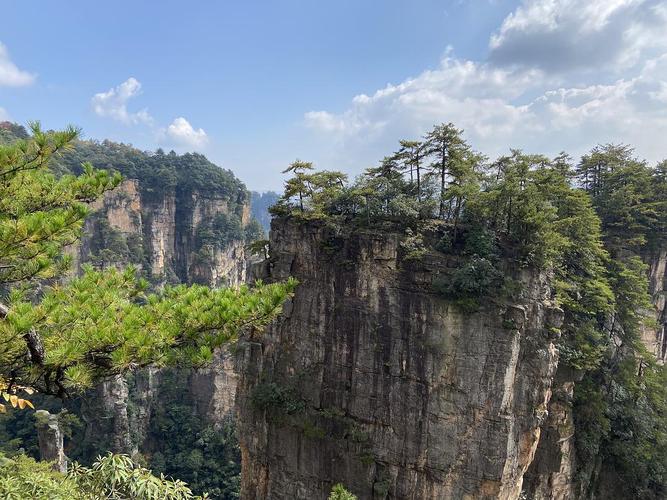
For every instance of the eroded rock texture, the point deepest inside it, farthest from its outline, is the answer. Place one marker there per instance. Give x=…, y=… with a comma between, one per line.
x=159, y=232
x=553, y=474
x=373, y=380
x=50, y=438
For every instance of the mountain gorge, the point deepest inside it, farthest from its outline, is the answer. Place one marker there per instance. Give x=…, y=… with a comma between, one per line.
x=179, y=219
x=495, y=331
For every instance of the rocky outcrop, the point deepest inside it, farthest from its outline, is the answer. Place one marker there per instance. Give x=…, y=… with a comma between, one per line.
x=213, y=389
x=373, y=380
x=654, y=337
x=553, y=474
x=50, y=437
x=157, y=231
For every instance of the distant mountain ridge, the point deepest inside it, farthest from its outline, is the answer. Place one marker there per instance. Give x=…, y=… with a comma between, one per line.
x=260, y=203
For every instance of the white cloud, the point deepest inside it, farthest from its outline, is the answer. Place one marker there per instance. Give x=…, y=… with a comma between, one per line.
x=181, y=133
x=484, y=100
x=4, y=116
x=522, y=99
x=566, y=35
x=325, y=121
x=113, y=103
x=10, y=74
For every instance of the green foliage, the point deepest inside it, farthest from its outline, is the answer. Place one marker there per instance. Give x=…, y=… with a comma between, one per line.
x=117, y=477
x=83, y=341
x=219, y=231
x=276, y=399
x=103, y=322
x=11, y=132
x=182, y=445
x=413, y=246
x=158, y=173
x=22, y=477
x=111, y=477
x=39, y=213
x=259, y=247
x=628, y=195
x=110, y=246
x=253, y=231
x=338, y=492
x=477, y=277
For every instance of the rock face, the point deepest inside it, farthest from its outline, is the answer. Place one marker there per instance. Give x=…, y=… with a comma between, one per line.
x=373, y=380
x=655, y=338
x=50, y=438
x=552, y=474
x=158, y=232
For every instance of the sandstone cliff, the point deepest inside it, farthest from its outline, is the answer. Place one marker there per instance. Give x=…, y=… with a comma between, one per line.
x=373, y=380
x=553, y=473
x=160, y=231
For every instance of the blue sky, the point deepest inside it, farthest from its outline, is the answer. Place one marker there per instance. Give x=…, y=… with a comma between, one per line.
x=255, y=84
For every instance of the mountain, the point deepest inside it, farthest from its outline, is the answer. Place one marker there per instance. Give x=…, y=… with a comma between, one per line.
x=260, y=204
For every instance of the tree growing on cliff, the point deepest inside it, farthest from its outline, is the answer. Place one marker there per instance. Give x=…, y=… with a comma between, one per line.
x=298, y=185
x=446, y=146
x=412, y=155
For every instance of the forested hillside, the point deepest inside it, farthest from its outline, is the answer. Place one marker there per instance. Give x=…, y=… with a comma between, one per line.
x=451, y=223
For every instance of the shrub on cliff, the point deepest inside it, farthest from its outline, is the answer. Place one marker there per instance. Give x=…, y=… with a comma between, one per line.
x=338, y=492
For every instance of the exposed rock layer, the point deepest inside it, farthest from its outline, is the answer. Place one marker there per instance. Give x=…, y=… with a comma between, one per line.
x=390, y=389
x=163, y=226
x=553, y=474
x=50, y=438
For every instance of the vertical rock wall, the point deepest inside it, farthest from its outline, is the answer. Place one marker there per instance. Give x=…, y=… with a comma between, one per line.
x=163, y=227
x=552, y=475
x=372, y=380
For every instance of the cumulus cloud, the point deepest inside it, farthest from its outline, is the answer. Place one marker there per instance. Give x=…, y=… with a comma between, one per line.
x=4, y=116
x=566, y=35
x=515, y=98
x=10, y=74
x=483, y=99
x=181, y=133
x=113, y=103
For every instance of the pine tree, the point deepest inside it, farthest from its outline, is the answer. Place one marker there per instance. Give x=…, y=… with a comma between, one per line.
x=445, y=144
x=298, y=185
x=412, y=154
x=105, y=322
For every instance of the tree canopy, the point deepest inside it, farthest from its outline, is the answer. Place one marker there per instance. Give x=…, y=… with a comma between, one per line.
x=591, y=226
